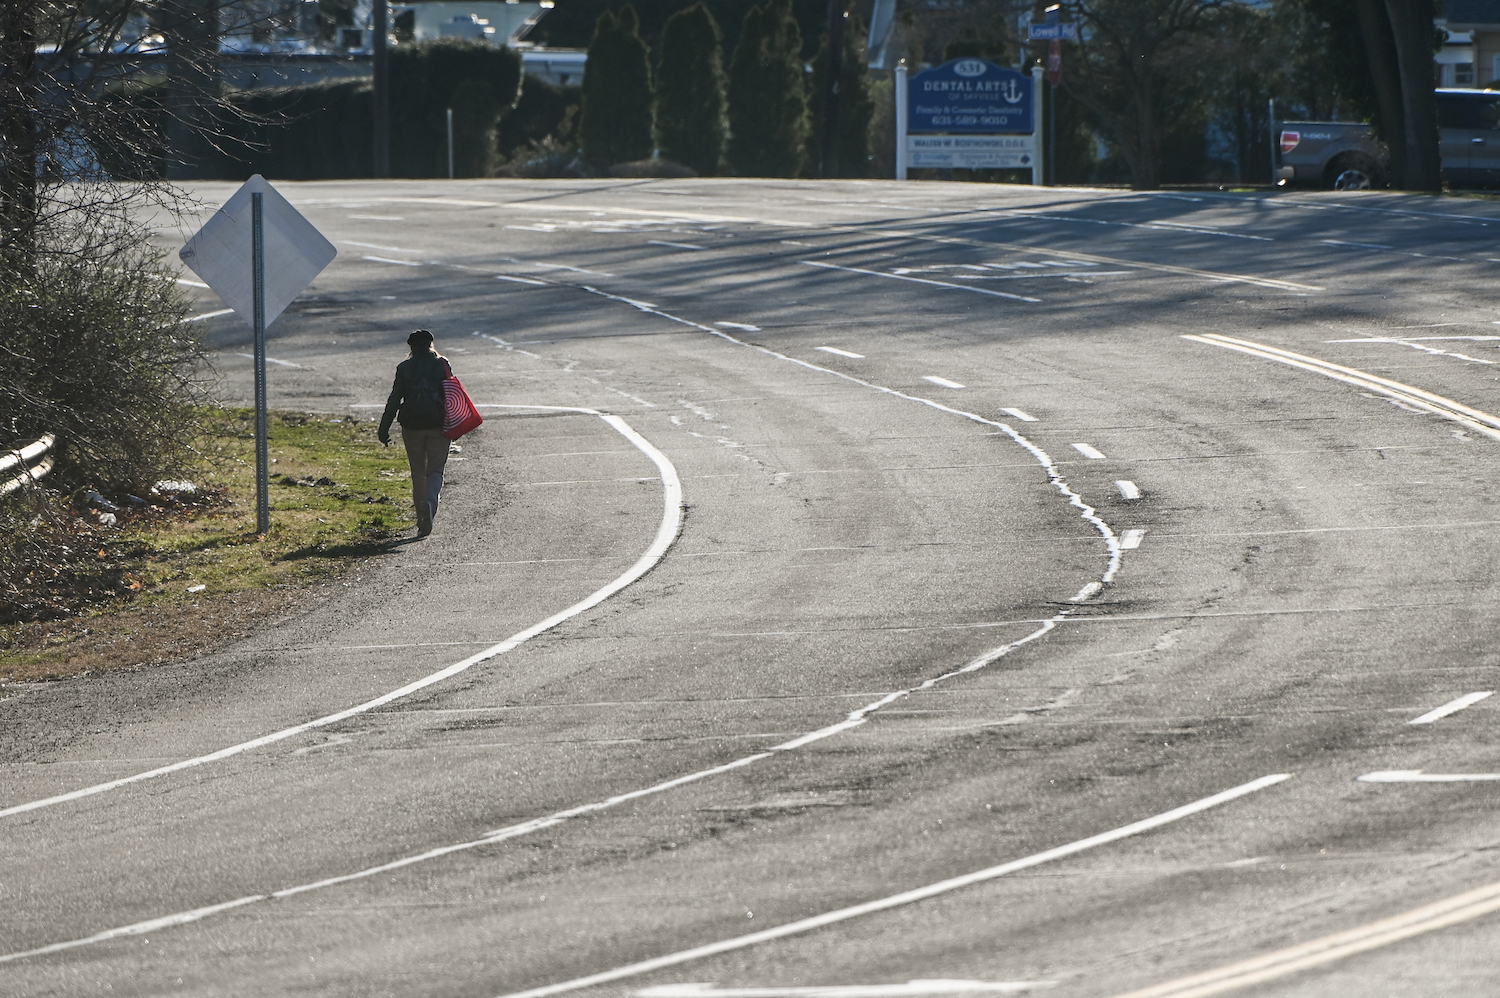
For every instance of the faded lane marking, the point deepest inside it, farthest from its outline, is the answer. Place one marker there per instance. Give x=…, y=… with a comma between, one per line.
x=941, y=382
x=1128, y=489
x=1294, y=959
x=905, y=897
x=833, y=350
x=1023, y=417
x=1451, y=707
x=911, y=989
x=917, y=280
x=664, y=242
x=666, y=534
x=208, y=315
x=1089, y=451
x=399, y=263
x=746, y=327
x=1131, y=539
x=1474, y=419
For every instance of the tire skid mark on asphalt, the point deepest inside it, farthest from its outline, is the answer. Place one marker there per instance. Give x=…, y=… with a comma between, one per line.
x=853, y=720
x=1424, y=401
x=666, y=535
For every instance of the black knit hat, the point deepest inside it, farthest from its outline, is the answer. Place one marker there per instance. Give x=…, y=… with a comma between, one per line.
x=420, y=338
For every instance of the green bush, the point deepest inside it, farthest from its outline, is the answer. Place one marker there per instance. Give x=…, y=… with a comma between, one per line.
x=690, y=101
x=616, y=117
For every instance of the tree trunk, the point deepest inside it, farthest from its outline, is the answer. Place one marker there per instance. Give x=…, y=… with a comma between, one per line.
x=1145, y=174
x=191, y=30
x=1380, y=54
x=18, y=137
x=1411, y=23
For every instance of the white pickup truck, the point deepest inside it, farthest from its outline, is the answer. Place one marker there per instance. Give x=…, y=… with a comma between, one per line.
x=1346, y=156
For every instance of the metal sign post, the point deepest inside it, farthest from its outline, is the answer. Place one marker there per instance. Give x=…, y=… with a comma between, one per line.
x=450, y=143
x=901, y=123
x=1039, y=168
x=258, y=252
x=262, y=448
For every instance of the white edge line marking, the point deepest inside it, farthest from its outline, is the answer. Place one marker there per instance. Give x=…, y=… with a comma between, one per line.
x=1128, y=489
x=1418, y=776
x=904, y=898
x=1474, y=419
x=941, y=382
x=918, y=280
x=208, y=315
x=1131, y=539
x=1023, y=417
x=665, y=535
x=1089, y=451
x=272, y=360
x=1451, y=707
x=1449, y=911
x=836, y=351
x=911, y=989
x=402, y=263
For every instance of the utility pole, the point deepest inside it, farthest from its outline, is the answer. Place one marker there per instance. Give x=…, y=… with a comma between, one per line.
x=828, y=165
x=380, y=28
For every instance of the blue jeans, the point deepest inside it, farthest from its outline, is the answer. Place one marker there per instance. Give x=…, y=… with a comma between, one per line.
x=427, y=453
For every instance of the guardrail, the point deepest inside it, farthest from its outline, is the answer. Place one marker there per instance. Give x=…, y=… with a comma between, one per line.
x=20, y=467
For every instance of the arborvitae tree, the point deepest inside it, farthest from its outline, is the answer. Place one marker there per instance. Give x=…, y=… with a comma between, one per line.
x=616, y=125
x=851, y=143
x=767, y=99
x=690, y=101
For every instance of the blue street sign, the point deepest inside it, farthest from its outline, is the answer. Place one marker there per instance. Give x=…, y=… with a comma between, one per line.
x=969, y=97
x=1054, y=32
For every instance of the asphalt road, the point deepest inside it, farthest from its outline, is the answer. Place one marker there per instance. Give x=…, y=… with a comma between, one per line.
x=1049, y=568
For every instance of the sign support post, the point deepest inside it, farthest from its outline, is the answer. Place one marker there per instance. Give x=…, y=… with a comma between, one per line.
x=901, y=110
x=262, y=452
x=1039, y=168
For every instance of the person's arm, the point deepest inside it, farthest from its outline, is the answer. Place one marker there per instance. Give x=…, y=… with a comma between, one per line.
x=392, y=403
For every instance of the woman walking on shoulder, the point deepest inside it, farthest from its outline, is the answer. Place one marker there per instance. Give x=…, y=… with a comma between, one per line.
x=416, y=401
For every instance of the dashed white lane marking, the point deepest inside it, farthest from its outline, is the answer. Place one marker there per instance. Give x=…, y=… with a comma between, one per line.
x=941, y=382
x=399, y=263
x=1088, y=451
x=833, y=350
x=521, y=280
x=1128, y=489
x=738, y=325
x=1451, y=707
x=664, y=242
x=904, y=898
x=911, y=989
x=665, y=535
x=1415, y=343
x=1023, y=417
x=1304, y=956
x=381, y=218
x=1417, y=776
x=208, y=315
x=1474, y=419
x=918, y=280
x=272, y=360
x=1087, y=592
x=1054, y=475
x=191, y=284
x=1131, y=539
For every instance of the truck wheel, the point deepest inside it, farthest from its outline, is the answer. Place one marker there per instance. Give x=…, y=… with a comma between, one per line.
x=1353, y=173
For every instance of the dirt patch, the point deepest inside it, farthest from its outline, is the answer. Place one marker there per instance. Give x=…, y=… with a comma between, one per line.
x=133, y=637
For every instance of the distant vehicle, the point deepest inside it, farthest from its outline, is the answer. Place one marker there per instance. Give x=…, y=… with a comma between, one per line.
x=1346, y=156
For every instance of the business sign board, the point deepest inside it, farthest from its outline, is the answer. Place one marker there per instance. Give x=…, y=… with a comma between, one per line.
x=974, y=152
x=1054, y=32
x=969, y=96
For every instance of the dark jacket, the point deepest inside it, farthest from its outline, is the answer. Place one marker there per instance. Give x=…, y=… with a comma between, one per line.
x=416, y=398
